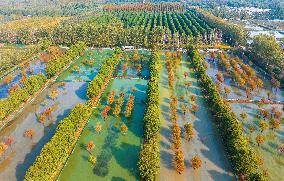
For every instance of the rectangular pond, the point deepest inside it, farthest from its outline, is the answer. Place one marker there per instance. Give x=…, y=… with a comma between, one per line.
x=117, y=153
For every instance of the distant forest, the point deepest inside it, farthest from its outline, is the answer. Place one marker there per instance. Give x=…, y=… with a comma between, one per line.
x=74, y=7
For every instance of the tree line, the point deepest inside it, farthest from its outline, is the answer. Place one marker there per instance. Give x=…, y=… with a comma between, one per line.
x=94, y=87
x=149, y=159
x=267, y=54
x=20, y=94
x=54, y=154
x=149, y=7
x=54, y=66
x=12, y=57
x=232, y=34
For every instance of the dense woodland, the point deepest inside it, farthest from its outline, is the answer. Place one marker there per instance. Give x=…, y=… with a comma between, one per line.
x=130, y=28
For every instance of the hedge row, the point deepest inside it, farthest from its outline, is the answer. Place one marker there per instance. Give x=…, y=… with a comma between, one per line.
x=21, y=94
x=151, y=120
x=149, y=159
x=54, y=66
x=95, y=86
x=243, y=159
x=54, y=154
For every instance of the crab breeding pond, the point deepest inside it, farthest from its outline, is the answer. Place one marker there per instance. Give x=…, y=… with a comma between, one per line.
x=237, y=79
x=115, y=128
x=32, y=128
x=191, y=109
x=117, y=139
x=258, y=103
x=263, y=126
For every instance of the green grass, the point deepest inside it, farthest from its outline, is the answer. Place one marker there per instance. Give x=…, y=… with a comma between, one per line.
x=117, y=154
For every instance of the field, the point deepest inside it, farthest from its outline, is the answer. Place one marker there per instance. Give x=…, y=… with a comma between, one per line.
x=269, y=150
x=32, y=23
x=187, y=23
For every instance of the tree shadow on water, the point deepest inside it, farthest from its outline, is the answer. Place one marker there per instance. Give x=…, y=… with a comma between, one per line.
x=167, y=159
x=127, y=157
x=102, y=166
x=81, y=91
x=215, y=175
x=117, y=179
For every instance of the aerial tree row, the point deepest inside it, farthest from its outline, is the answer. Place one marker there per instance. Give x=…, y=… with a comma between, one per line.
x=12, y=56
x=266, y=52
x=149, y=159
x=182, y=25
x=27, y=30
x=30, y=85
x=145, y=7
x=232, y=34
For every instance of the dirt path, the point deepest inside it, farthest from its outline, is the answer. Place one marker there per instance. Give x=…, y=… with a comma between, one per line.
x=206, y=143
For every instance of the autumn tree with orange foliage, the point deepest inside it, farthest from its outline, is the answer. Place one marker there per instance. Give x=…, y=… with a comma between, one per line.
x=194, y=108
x=29, y=133
x=119, y=103
x=179, y=161
x=129, y=106
x=104, y=113
x=90, y=146
x=196, y=162
x=259, y=139
x=124, y=129
x=111, y=97
x=7, y=79
x=220, y=77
